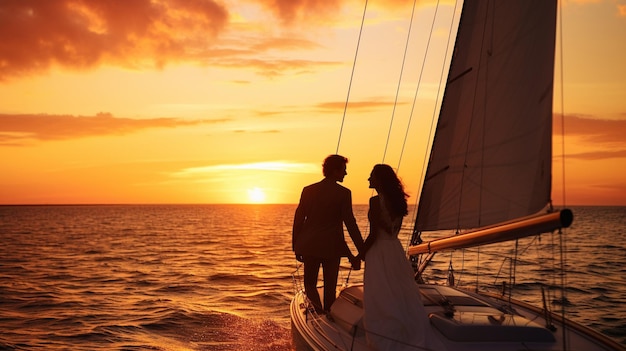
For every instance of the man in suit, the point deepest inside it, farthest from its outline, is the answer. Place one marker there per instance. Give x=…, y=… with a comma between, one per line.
x=318, y=238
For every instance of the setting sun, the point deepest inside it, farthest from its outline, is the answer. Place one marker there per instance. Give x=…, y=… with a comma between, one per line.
x=256, y=195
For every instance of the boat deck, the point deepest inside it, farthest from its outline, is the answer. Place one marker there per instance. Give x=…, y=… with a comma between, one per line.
x=462, y=320
x=467, y=319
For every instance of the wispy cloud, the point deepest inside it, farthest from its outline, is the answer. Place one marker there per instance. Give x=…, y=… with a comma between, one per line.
x=290, y=11
x=359, y=105
x=605, y=137
x=593, y=130
x=276, y=166
x=272, y=67
x=16, y=130
x=598, y=155
x=269, y=131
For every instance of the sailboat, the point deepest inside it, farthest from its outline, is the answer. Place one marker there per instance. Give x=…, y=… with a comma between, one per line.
x=488, y=181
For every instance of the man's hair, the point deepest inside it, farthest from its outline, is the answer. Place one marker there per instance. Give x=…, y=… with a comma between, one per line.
x=332, y=163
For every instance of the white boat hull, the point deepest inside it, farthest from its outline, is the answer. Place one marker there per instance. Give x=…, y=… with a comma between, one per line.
x=478, y=322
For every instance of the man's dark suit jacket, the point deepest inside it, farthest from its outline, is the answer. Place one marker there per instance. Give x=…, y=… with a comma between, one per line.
x=318, y=222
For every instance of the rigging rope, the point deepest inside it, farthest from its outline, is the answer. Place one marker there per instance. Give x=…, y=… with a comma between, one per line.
x=356, y=53
x=562, y=240
x=395, y=103
x=419, y=82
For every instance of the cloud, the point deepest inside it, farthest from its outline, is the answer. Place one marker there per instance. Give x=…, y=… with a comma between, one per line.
x=272, y=67
x=296, y=11
x=268, y=131
x=276, y=166
x=359, y=105
x=83, y=34
x=598, y=155
x=605, y=137
x=291, y=11
x=593, y=130
x=17, y=130
x=150, y=34
x=34, y=35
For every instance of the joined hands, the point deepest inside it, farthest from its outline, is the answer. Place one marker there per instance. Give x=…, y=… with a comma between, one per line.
x=355, y=261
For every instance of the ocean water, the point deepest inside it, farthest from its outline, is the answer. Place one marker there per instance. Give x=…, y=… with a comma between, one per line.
x=220, y=277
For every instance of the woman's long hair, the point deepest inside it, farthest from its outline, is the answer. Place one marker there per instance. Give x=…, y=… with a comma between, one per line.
x=392, y=189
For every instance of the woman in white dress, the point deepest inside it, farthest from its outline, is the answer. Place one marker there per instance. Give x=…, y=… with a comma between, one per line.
x=394, y=315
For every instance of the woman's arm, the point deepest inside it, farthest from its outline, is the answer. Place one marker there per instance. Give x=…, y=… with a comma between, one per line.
x=373, y=215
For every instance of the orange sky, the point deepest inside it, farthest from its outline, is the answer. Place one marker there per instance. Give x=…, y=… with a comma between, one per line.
x=207, y=101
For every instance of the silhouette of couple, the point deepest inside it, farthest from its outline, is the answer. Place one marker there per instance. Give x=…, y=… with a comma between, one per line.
x=394, y=315
x=324, y=208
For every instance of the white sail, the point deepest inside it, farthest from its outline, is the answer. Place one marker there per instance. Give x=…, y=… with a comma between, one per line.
x=491, y=156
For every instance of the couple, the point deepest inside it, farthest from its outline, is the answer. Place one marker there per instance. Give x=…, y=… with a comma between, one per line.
x=393, y=308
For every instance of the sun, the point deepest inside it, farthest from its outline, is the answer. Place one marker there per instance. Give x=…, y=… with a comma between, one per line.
x=256, y=195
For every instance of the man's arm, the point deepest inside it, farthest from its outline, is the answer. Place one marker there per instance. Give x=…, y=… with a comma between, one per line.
x=350, y=222
x=298, y=221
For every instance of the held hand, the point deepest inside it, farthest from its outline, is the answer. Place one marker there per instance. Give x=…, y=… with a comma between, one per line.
x=355, y=261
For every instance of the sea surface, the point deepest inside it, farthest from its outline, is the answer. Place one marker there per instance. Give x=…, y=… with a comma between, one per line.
x=220, y=277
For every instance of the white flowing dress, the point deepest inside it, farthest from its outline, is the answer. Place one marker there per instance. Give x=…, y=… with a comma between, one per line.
x=394, y=315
